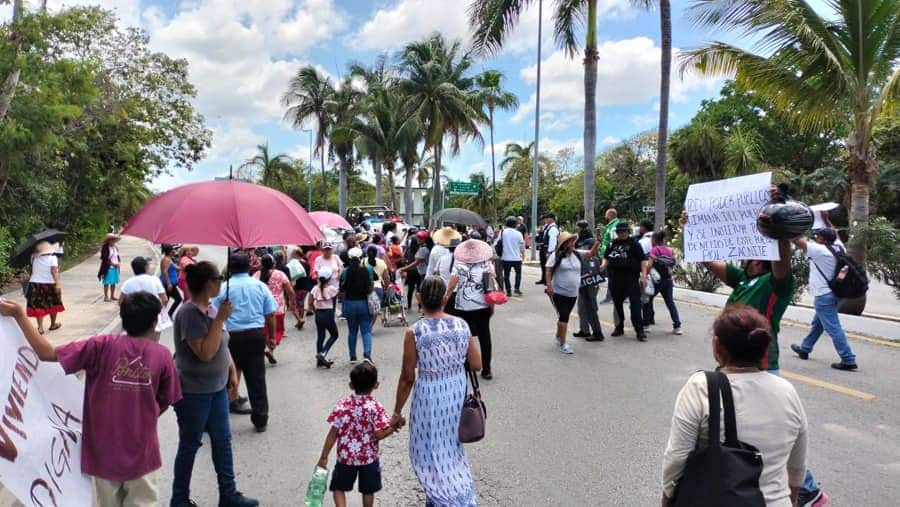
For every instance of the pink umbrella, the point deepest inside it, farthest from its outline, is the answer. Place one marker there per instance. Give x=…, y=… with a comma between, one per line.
x=224, y=213
x=329, y=219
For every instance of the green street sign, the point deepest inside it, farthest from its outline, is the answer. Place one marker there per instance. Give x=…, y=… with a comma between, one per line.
x=464, y=188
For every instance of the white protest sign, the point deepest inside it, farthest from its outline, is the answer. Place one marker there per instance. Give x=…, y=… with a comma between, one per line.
x=721, y=222
x=40, y=427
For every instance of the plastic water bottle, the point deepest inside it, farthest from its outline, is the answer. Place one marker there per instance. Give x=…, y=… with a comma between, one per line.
x=315, y=492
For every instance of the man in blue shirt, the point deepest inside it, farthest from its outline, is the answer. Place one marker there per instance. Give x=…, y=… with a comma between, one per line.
x=254, y=310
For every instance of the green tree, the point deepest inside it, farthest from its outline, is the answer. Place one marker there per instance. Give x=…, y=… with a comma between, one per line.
x=266, y=169
x=494, y=20
x=493, y=96
x=817, y=71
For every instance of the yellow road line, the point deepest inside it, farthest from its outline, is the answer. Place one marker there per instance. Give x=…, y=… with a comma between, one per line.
x=828, y=385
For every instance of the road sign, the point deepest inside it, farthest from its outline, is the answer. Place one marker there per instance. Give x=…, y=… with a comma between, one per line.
x=464, y=188
x=649, y=209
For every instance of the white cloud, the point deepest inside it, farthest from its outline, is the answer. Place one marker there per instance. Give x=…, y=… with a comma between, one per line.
x=233, y=143
x=643, y=121
x=128, y=11
x=628, y=73
x=610, y=140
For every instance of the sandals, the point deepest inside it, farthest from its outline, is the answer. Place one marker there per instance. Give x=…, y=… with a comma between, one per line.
x=56, y=326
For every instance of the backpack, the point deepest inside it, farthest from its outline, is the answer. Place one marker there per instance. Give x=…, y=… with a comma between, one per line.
x=499, y=246
x=849, y=279
x=663, y=265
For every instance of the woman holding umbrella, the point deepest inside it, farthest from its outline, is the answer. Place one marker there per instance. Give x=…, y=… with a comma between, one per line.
x=109, y=267
x=44, y=294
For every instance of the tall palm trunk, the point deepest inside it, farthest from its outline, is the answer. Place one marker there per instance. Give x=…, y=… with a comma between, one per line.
x=407, y=193
x=377, y=169
x=590, y=113
x=345, y=164
x=392, y=186
x=665, y=22
x=8, y=91
x=436, y=178
x=493, y=163
x=860, y=166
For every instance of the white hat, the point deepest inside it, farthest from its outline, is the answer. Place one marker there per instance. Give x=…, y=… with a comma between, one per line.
x=324, y=272
x=354, y=253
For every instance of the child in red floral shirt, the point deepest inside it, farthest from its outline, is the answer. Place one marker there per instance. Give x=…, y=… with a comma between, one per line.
x=358, y=422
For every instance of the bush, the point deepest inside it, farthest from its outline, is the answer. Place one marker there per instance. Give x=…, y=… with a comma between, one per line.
x=7, y=244
x=800, y=267
x=883, y=259
x=695, y=276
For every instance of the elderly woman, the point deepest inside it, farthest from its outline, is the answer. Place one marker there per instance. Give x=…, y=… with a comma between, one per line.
x=439, y=346
x=563, y=275
x=109, y=267
x=770, y=416
x=280, y=286
x=44, y=294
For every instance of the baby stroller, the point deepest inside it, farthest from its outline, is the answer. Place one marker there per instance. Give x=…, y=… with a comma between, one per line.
x=393, y=312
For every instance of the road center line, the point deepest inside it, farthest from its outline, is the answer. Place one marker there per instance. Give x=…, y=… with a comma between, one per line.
x=828, y=385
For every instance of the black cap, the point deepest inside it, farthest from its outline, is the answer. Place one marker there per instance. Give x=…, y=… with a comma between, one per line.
x=550, y=215
x=646, y=224
x=623, y=226
x=139, y=265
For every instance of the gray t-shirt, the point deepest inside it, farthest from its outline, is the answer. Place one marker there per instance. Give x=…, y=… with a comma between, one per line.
x=567, y=277
x=199, y=377
x=422, y=254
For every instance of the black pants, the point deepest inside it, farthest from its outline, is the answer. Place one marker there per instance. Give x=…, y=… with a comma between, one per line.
x=508, y=266
x=175, y=295
x=479, y=322
x=413, y=282
x=542, y=254
x=248, y=350
x=627, y=285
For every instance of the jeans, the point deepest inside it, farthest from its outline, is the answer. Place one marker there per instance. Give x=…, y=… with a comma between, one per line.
x=588, y=320
x=508, y=266
x=198, y=414
x=325, y=322
x=826, y=319
x=359, y=320
x=666, y=288
x=624, y=286
x=248, y=352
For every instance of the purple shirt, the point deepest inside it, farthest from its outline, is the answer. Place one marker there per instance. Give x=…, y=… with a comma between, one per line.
x=661, y=251
x=129, y=382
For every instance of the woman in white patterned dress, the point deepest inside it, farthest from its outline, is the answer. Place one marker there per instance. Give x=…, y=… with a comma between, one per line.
x=440, y=346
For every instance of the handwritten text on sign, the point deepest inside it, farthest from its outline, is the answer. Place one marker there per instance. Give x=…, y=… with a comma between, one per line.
x=722, y=220
x=40, y=426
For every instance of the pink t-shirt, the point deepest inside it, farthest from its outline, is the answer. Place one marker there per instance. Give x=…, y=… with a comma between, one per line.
x=276, y=287
x=324, y=299
x=129, y=382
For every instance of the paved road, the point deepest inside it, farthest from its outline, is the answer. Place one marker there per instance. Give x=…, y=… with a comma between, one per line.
x=587, y=429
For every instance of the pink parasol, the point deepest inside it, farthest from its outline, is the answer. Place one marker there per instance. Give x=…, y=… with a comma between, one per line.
x=224, y=213
x=329, y=219
x=472, y=251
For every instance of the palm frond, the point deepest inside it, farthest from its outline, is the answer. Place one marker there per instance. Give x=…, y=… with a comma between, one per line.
x=569, y=20
x=493, y=20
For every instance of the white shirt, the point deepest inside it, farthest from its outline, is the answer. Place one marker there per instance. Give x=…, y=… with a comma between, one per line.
x=443, y=268
x=41, y=268
x=470, y=287
x=437, y=253
x=769, y=417
x=552, y=236
x=513, y=244
x=153, y=285
x=336, y=267
x=646, y=242
x=821, y=258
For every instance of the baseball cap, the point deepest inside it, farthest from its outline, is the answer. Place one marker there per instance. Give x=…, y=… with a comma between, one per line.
x=354, y=253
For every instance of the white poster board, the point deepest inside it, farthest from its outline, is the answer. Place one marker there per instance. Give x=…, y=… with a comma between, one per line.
x=721, y=222
x=40, y=427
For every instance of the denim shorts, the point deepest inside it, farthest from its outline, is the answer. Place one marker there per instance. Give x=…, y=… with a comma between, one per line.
x=344, y=476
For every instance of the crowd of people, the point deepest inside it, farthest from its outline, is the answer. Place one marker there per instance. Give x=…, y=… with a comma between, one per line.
x=228, y=323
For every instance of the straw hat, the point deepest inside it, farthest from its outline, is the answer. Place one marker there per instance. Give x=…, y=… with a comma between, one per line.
x=448, y=236
x=362, y=237
x=472, y=251
x=565, y=236
x=112, y=237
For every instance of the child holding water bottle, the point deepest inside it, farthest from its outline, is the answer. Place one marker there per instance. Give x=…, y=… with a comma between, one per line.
x=358, y=422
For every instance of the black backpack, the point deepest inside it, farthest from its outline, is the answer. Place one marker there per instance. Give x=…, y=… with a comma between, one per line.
x=499, y=246
x=849, y=279
x=721, y=474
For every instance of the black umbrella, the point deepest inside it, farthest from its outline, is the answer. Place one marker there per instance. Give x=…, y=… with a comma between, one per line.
x=459, y=216
x=22, y=255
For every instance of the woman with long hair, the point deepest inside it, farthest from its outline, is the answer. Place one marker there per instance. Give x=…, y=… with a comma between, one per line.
x=168, y=275
x=355, y=284
x=563, y=275
x=109, y=267
x=283, y=292
x=186, y=258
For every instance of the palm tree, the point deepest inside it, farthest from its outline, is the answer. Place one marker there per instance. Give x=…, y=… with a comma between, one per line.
x=266, y=169
x=514, y=152
x=441, y=97
x=493, y=96
x=343, y=111
x=494, y=20
x=308, y=97
x=665, y=24
x=817, y=71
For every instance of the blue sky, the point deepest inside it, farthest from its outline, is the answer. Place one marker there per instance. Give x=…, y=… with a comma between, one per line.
x=242, y=54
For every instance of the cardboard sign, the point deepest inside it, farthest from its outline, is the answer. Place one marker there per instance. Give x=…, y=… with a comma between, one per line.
x=721, y=222
x=40, y=427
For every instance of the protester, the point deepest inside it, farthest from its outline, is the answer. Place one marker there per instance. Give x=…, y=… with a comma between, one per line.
x=252, y=320
x=662, y=260
x=323, y=295
x=281, y=263
x=300, y=276
x=626, y=265
x=44, y=293
x=109, y=267
x=439, y=251
x=609, y=233
x=547, y=242
x=379, y=269
x=280, y=286
x=563, y=273
x=645, y=235
x=358, y=422
x=523, y=229
x=472, y=273
x=205, y=370
x=312, y=255
x=822, y=263
x=142, y=281
x=168, y=275
x=588, y=319
x=356, y=284
x=395, y=253
x=770, y=416
x=513, y=247
x=415, y=271
x=348, y=241
x=122, y=402
x=328, y=260
x=440, y=347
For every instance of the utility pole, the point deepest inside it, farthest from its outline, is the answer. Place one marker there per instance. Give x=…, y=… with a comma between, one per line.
x=537, y=132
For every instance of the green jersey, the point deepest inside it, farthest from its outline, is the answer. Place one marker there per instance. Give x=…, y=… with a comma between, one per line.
x=609, y=234
x=769, y=295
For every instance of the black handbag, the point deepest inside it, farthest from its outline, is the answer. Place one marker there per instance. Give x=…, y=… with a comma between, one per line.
x=474, y=414
x=721, y=474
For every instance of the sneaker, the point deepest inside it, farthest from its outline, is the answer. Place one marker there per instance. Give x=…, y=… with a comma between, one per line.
x=618, y=331
x=487, y=375
x=595, y=338
x=237, y=500
x=517, y=292
x=815, y=498
x=271, y=357
x=353, y=360
x=844, y=366
x=565, y=348
x=641, y=336
x=581, y=334
x=800, y=353
x=238, y=407
x=677, y=330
